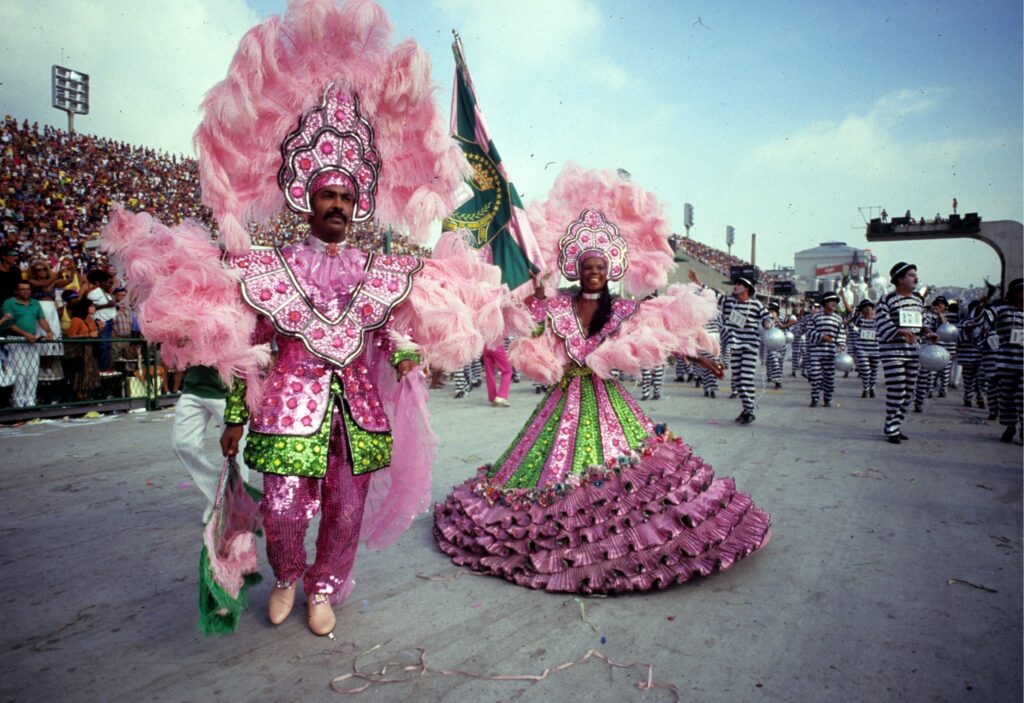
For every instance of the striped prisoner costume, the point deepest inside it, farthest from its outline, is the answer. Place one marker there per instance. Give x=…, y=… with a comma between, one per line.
x=863, y=331
x=743, y=323
x=822, y=354
x=900, y=363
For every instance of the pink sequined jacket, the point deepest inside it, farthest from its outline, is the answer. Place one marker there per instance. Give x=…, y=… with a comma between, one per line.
x=327, y=350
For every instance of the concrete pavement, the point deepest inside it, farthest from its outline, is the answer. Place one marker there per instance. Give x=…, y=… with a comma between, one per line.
x=851, y=601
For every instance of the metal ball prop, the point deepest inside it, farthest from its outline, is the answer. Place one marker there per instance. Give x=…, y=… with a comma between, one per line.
x=789, y=337
x=933, y=357
x=947, y=332
x=844, y=362
x=774, y=339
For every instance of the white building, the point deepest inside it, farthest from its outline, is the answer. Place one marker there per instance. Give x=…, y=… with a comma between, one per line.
x=824, y=266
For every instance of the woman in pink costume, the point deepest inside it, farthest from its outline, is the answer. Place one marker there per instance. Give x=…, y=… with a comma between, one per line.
x=592, y=496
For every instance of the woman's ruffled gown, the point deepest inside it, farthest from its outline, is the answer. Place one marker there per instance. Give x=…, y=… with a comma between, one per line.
x=593, y=497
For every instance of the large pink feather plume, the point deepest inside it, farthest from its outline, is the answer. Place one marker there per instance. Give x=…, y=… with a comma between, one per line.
x=279, y=71
x=637, y=213
x=185, y=298
x=670, y=324
x=541, y=358
x=458, y=305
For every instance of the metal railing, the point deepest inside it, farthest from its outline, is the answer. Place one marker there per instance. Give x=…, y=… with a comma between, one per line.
x=73, y=376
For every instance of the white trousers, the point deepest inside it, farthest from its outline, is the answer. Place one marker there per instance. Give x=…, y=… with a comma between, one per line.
x=24, y=364
x=192, y=418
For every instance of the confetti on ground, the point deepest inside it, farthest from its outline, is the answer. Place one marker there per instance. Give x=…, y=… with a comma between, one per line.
x=184, y=485
x=950, y=582
x=408, y=672
x=870, y=473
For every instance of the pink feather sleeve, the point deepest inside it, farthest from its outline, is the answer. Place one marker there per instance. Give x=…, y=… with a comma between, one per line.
x=185, y=298
x=457, y=306
x=670, y=324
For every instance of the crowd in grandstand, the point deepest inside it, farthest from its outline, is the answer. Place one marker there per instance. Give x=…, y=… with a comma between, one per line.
x=711, y=257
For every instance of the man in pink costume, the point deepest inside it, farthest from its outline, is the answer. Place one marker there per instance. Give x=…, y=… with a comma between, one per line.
x=337, y=419
x=321, y=429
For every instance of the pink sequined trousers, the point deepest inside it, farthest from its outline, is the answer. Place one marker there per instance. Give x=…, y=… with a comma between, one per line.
x=290, y=502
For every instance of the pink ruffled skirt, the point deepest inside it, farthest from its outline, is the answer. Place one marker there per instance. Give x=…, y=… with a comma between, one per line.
x=648, y=522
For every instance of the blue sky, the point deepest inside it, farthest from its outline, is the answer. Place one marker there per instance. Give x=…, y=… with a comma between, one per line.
x=776, y=118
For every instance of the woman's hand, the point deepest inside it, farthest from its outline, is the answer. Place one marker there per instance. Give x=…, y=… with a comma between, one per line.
x=538, y=285
x=404, y=367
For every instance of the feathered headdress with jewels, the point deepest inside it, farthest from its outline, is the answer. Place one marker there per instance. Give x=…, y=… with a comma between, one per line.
x=633, y=213
x=365, y=115
x=592, y=235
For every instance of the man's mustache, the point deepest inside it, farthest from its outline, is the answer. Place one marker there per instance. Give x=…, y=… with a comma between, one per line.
x=336, y=213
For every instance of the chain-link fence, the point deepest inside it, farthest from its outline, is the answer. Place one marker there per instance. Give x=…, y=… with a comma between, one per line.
x=51, y=378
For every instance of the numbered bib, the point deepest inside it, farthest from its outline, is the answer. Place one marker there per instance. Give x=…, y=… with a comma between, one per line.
x=993, y=341
x=867, y=334
x=910, y=318
x=713, y=334
x=1017, y=336
x=737, y=319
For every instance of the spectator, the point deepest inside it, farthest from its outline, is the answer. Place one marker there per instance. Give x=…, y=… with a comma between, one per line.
x=106, y=310
x=10, y=273
x=80, y=359
x=25, y=321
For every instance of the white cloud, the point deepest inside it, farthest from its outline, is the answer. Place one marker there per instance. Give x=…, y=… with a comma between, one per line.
x=149, y=63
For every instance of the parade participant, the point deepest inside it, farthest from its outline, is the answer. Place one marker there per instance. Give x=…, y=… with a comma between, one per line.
x=337, y=422
x=826, y=336
x=683, y=371
x=744, y=317
x=968, y=351
x=651, y=382
x=1009, y=328
x=955, y=372
x=495, y=359
x=900, y=322
x=991, y=307
x=774, y=358
x=800, y=341
x=592, y=496
x=202, y=401
x=926, y=379
x=942, y=378
x=863, y=330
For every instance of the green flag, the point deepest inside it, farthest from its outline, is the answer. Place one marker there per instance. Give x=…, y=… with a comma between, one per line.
x=493, y=216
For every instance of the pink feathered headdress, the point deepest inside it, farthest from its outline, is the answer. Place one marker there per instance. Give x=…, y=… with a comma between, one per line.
x=333, y=145
x=592, y=235
x=636, y=213
x=281, y=71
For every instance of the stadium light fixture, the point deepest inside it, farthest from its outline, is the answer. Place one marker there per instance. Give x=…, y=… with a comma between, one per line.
x=70, y=93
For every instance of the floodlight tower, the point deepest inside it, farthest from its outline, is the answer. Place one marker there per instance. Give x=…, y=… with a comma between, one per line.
x=70, y=92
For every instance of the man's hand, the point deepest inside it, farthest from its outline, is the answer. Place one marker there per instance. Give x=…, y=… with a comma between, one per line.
x=230, y=438
x=827, y=338
x=404, y=367
x=931, y=336
x=694, y=278
x=908, y=337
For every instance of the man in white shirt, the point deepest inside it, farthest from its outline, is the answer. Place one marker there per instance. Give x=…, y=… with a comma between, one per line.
x=106, y=311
